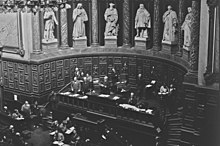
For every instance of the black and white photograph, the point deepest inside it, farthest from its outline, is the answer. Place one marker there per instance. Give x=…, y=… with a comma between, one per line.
x=109, y=73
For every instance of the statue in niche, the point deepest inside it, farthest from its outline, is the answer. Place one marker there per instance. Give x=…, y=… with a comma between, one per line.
x=186, y=27
x=111, y=17
x=170, y=26
x=79, y=19
x=50, y=19
x=142, y=22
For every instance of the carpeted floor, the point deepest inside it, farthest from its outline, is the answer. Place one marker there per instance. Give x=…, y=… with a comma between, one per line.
x=39, y=137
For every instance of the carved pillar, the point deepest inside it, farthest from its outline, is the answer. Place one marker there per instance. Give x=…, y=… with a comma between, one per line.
x=181, y=20
x=94, y=23
x=211, y=4
x=194, y=51
x=126, y=23
x=63, y=28
x=156, y=27
x=36, y=23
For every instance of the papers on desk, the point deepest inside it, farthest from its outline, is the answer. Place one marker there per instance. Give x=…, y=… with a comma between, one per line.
x=104, y=95
x=52, y=133
x=74, y=95
x=149, y=111
x=66, y=93
x=83, y=97
x=60, y=143
x=19, y=119
x=149, y=85
x=163, y=93
x=128, y=106
x=116, y=98
x=68, y=131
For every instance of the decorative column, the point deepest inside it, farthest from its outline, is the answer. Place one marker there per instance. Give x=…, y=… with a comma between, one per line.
x=156, y=27
x=194, y=51
x=211, y=5
x=181, y=20
x=36, y=33
x=209, y=74
x=63, y=29
x=126, y=24
x=94, y=23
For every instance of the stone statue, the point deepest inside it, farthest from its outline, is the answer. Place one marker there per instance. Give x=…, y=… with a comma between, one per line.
x=186, y=27
x=79, y=17
x=142, y=22
x=111, y=17
x=170, y=26
x=49, y=17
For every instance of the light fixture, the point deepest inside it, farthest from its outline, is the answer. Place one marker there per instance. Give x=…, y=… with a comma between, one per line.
x=31, y=5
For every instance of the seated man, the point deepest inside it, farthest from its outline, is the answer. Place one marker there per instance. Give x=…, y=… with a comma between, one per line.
x=68, y=122
x=35, y=108
x=6, y=111
x=16, y=114
x=63, y=127
x=58, y=138
x=55, y=125
x=105, y=86
x=123, y=89
x=75, y=86
x=18, y=140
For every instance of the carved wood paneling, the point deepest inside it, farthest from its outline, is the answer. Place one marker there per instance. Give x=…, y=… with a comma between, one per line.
x=53, y=75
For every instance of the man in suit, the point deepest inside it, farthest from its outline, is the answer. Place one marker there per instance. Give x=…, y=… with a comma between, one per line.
x=105, y=86
x=75, y=86
x=114, y=80
x=132, y=99
x=140, y=86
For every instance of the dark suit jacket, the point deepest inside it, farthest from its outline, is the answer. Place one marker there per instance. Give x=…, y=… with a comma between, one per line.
x=75, y=86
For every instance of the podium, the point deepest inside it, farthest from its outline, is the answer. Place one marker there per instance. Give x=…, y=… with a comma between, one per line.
x=111, y=41
x=80, y=43
x=49, y=45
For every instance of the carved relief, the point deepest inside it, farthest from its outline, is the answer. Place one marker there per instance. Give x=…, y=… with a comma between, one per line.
x=35, y=78
x=21, y=77
x=59, y=73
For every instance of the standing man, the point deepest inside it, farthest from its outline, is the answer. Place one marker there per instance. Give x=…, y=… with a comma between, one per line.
x=75, y=86
x=79, y=19
x=142, y=22
x=140, y=86
x=114, y=80
x=111, y=18
x=26, y=109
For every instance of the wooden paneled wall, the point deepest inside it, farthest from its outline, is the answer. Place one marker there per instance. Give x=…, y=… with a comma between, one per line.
x=38, y=79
